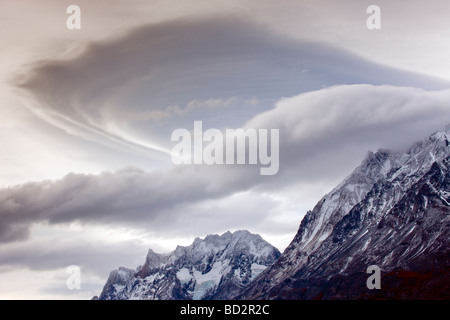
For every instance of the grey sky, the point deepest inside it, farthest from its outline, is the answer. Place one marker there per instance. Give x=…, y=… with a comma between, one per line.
x=86, y=115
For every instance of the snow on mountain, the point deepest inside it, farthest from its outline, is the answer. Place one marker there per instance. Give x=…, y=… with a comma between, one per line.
x=216, y=267
x=392, y=211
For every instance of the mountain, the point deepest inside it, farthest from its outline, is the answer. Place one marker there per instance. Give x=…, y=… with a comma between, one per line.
x=216, y=267
x=393, y=211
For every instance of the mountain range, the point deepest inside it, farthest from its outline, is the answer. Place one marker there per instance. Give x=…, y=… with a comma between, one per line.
x=393, y=212
x=217, y=267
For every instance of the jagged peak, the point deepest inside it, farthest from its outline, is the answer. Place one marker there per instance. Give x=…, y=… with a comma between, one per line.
x=216, y=265
x=440, y=136
x=153, y=258
x=378, y=158
x=210, y=244
x=120, y=275
x=225, y=236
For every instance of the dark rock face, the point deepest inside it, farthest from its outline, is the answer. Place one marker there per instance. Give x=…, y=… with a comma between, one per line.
x=393, y=212
x=217, y=267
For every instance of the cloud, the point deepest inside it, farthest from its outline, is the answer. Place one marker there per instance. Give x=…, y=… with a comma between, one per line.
x=126, y=90
x=327, y=132
x=202, y=105
x=323, y=136
x=128, y=197
x=51, y=253
x=38, y=266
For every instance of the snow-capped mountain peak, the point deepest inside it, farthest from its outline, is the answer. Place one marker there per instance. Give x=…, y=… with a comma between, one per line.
x=215, y=267
x=392, y=211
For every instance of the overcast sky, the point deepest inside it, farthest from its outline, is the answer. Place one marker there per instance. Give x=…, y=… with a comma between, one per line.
x=86, y=117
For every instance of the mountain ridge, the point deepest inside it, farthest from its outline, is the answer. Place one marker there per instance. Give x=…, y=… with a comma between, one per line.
x=347, y=230
x=392, y=211
x=216, y=267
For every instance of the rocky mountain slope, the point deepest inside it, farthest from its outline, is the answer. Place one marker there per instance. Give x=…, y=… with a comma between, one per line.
x=216, y=267
x=393, y=211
